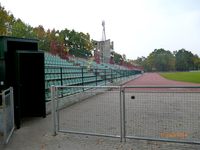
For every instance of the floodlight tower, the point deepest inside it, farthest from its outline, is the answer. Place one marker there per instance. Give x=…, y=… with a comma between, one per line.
x=103, y=32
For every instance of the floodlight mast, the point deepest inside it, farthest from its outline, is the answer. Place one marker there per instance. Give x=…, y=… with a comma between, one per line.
x=103, y=32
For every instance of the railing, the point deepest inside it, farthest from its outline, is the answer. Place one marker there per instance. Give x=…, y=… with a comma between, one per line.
x=86, y=121
x=82, y=76
x=6, y=115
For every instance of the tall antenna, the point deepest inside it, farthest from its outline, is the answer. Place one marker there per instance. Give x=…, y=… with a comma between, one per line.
x=103, y=32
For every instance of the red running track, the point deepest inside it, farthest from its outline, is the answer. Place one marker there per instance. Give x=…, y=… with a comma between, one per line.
x=154, y=79
x=157, y=80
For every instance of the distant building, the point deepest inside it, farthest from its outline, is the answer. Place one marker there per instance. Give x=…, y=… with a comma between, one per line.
x=102, y=51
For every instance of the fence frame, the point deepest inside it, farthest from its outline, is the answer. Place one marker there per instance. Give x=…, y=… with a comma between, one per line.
x=123, y=122
x=4, y=94
x=148, y=138
x=55, y=111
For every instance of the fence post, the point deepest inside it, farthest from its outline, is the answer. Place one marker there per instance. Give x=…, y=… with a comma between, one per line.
x=4, y=117
x=111, y=76
x=82, y=75
x=12, y=110
x=121, y=75
x=105, y=76
x=121, y=115
x=61, y=77
x=57, y=109
x=96, y=76
x=53, y=112
x=124, y=114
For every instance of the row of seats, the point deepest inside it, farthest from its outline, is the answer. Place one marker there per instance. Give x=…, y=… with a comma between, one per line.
x=62, y=72
x=55, y=60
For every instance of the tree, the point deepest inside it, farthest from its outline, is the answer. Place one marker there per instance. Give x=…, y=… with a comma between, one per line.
x=6, y=21
x=124, y=57
x=117, y=58
x=140, y=61
x=196, y=61
x=22, y=30
x=55, y=41
x=184, y=60
x=41, y=35
x=160, y=60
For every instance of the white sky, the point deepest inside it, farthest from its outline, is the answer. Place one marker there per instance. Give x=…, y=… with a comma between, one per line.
x=137, y=27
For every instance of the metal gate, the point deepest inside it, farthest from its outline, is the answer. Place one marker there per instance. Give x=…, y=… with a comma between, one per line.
x=156, y=113
x=89, y=110
x=6, y=115
x=162, y=113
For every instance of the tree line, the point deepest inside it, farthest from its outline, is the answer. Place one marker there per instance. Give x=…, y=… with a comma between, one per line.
x=69, y=42
x=59, y=42
x=165, y=60
x=55, y=41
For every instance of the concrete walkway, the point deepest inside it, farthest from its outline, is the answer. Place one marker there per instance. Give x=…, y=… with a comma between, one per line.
x=36, y=135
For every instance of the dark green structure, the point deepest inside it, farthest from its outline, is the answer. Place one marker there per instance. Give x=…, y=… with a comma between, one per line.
x=22, y=67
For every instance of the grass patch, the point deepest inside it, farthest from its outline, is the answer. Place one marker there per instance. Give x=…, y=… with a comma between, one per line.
x=193, y=77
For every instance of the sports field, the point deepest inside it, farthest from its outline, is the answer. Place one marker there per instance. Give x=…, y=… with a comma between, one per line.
x=193, y=77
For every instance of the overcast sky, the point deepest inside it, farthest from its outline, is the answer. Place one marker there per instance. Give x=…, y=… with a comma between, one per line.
x=137, y=27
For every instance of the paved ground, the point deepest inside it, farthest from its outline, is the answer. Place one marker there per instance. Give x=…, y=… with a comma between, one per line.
x=36, y=133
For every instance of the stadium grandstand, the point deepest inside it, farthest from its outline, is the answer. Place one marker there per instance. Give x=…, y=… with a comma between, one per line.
x=81, y=72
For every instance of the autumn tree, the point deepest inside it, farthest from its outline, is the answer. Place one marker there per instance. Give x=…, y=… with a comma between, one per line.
x=55, y=41
x=6, y=21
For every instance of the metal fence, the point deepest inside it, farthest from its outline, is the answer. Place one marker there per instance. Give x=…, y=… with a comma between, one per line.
x=6, y=115
x=82, y=76
x=94, y=112
x=160, y=113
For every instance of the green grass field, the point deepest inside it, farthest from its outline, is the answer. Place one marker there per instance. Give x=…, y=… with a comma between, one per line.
x=193, y=77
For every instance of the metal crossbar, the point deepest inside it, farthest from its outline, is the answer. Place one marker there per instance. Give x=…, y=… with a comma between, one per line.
x=155, y=113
